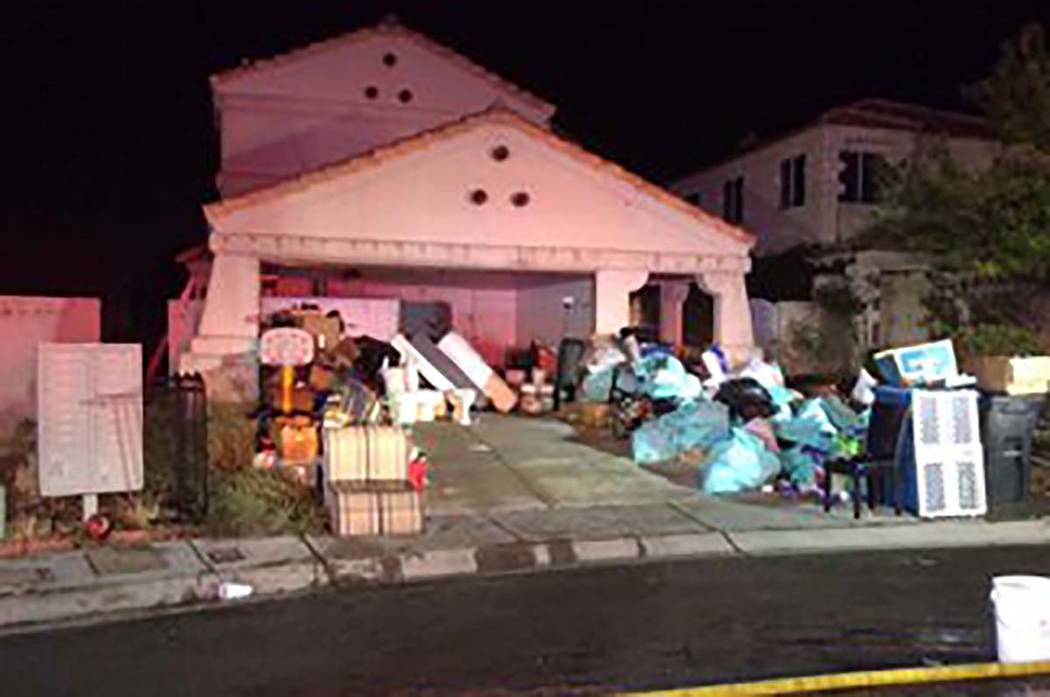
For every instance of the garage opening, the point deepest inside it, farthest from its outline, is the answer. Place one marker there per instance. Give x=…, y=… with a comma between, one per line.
x=698, y=318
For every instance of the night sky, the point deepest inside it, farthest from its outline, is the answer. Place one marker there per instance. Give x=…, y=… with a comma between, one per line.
x=109, y=149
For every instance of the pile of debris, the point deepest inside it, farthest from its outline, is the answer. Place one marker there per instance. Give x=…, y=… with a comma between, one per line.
x=338, y=409
x=745, y=427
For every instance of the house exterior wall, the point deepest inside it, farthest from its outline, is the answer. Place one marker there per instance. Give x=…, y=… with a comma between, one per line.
x=483, y=311
x=26, y=322
x=896, y=146
x=823, y=218
x=425, y=197
x=541, y=311
x=777, y=229
x=295, y=117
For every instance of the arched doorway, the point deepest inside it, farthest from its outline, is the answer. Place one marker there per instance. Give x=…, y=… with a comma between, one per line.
x=645, y=309
x=698, y=318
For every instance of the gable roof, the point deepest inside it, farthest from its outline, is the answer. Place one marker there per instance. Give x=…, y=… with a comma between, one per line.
x=885, y=113
x=388, y=28
x=873, y=113
x=495, y=116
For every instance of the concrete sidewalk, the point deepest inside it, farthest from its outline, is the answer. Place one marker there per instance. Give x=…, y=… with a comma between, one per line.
x=508, y=495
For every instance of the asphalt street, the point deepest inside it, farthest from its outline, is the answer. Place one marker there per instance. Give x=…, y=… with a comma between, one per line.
x=642, y=626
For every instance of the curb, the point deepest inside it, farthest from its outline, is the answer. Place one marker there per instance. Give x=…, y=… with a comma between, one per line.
x=103, y=598
x=301, y=564
x=522, y=557
x=858, y=680
x=936, y=534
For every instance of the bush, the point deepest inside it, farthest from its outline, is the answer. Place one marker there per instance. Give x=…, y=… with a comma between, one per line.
x=231, y=437
x=251, y=502
x=996, y=340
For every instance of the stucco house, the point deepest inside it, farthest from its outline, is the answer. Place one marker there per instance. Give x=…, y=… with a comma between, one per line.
x=382, y=165
x=819, y=186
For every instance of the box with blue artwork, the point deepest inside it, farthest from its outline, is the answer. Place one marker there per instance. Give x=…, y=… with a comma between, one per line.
x=922, y=364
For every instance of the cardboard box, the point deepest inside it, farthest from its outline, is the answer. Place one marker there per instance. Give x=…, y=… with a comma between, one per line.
x=354, y=509
x=918, y=365
x=325, y=330
x=1012, y=375
x=359, y=454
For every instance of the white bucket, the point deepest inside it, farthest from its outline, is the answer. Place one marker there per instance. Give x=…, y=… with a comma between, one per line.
x=1022, y=618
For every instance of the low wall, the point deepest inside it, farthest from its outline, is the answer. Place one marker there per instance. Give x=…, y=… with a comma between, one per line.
x=26, y=322
x=801, y=336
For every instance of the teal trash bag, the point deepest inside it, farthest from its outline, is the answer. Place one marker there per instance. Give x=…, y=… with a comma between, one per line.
x=810, y=426
x=696, y=424
x=842, y=416
x=597, y=386
x=799, y=466
x=653, y=442
x=738, y=463
x=663, y=376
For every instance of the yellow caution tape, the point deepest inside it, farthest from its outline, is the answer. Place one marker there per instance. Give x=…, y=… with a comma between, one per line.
x=862, y=679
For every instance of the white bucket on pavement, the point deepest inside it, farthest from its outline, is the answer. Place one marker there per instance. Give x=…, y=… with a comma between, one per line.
x=1022, y=618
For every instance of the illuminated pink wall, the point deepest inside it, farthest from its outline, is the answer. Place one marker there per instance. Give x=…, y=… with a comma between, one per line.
x=542, y=312
x=26, y=322
x=296, y=116
x=483, y=304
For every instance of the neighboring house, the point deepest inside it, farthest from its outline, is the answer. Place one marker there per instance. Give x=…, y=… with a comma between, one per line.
x=381, y=165
x=26, y=322
x=820, y=186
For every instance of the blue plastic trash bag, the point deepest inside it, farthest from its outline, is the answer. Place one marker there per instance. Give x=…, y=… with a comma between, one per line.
x=696, y=424
x=841, y=415
x=800, y=466
x=782, y=398
x=810, y=426
x=663, y=376
x=597, y=385
x=738, y=463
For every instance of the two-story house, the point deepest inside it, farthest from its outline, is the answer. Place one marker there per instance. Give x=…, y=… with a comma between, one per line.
x=382, y=165
x=820, y=186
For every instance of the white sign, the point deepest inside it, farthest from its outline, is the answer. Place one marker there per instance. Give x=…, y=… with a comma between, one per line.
x=89, y=405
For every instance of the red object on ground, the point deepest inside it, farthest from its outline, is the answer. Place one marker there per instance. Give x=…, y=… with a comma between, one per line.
x=546, y=359
x=417, y=474
x=98, y=527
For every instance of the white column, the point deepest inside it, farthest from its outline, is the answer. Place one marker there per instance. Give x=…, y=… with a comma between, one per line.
x=612, y=302
x=224, y=350
x=230, y=323
x=672, y=295
x=732, y=313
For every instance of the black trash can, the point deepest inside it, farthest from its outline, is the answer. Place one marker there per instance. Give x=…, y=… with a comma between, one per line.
x=1007, y=422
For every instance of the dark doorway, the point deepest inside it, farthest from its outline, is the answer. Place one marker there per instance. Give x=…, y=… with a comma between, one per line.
x=698, y=318
x=645, y=308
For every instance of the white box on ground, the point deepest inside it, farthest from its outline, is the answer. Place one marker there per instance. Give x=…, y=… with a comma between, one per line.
x=89, y=406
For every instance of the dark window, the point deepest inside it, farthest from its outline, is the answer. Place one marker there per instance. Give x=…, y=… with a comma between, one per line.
x=478, y=197
x=693, y=198
x=785, y=183
x=500, y=153
x=861, y=176
x=798, y=167
x=733, y=200
x=793, y=182
x=405, y=96
x=371, y=91
x=390, y=59
x=520, y=199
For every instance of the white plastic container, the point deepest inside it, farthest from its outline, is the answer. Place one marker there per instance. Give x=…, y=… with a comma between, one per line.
x=1022, y=618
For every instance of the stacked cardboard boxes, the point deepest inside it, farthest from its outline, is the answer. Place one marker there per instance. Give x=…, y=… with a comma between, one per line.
x=367, y=488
